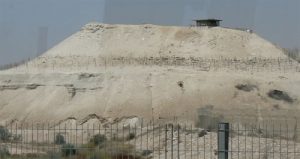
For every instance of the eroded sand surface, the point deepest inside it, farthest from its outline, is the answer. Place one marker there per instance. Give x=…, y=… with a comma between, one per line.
x=110, y=71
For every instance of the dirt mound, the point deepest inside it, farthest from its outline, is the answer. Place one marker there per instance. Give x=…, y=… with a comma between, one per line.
x=147, y=71
x=97, y=39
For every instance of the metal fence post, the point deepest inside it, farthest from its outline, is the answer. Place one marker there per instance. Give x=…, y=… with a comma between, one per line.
x=166, y=141
x=223, y=140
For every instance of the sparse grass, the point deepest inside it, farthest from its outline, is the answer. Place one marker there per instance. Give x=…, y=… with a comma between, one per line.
x=98, y=147
x=68, y=150
x=4, y=152
x=293, y=53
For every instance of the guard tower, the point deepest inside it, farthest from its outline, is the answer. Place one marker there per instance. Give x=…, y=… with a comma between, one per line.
x=207, y=22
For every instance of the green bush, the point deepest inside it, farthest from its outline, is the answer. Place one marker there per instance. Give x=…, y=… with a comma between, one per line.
x=59, y=139
x=4, y=134
x=98, y=139
x=68, y=150
x=4, y=152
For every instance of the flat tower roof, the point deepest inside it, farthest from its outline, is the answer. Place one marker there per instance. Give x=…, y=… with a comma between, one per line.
x=207, y=20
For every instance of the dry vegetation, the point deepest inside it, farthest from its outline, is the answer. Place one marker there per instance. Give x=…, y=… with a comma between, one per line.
x=293, y=53
x=13, y=65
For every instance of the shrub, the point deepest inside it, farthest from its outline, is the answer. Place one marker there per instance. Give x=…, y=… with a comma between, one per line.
x=59, y=139
x=98, y=139
x=68, y=150
x=293, y=53
x=4, y=134
x=146, y=152
x=131, y=136
x=4, y=152
x=17, y=137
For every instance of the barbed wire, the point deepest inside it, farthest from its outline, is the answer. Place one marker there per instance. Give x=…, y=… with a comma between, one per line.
x=204, y=64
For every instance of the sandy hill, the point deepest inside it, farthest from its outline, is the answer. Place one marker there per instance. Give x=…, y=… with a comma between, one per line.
x=150, y=40
x=126, y=84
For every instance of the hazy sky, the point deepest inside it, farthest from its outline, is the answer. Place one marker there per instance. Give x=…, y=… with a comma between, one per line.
x=20, y=20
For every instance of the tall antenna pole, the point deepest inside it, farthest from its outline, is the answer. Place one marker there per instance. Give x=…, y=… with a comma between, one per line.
x=42, y=40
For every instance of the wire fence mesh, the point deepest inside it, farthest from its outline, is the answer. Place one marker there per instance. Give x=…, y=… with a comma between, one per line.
x=93, y=141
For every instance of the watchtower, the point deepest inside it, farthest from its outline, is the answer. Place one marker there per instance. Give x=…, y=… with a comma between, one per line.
x=208, y=22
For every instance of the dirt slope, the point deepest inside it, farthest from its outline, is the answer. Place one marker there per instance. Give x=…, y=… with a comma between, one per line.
x=149, y=40
x=44, y=90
